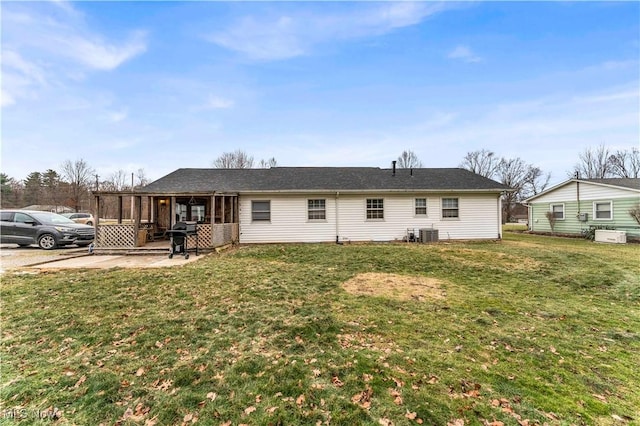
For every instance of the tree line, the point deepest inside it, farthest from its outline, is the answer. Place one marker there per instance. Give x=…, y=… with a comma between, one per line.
x=70, y=186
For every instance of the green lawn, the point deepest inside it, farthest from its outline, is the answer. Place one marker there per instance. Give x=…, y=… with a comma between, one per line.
x=530, y=330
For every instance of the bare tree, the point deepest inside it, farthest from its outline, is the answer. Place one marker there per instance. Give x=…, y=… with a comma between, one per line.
x=267, y=164
x=141, y=177
x=552, y=220
x=237, y=159
x=118, y=180
x=536, y=182
x=634, y=212
x=409, y=160
x=78, y=175
x=626, y=164
x=483, y=162
x=517, y=175
x=593, y=163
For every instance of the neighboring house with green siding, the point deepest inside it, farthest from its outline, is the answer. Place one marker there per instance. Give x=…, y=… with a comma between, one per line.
x=579, y=204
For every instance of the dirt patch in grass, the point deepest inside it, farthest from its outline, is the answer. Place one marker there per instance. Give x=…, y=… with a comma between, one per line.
x=394, y=286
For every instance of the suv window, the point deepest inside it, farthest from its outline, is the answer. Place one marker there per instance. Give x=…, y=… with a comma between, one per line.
x=6, y=216
x=22, y=218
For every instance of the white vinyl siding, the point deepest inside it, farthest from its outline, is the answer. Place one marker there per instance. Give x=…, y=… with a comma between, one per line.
x=479, y=218
x=603, y=210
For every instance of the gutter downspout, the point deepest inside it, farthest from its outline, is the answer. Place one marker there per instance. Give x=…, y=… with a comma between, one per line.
x=337, y=219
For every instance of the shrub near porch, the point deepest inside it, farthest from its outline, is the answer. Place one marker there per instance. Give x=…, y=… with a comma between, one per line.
x=531, y=330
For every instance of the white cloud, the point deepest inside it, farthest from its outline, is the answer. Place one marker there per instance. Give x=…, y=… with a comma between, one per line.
x=216, y=102
x=48, y=44
x=93, y=52
x=465, y=54
x=117, y=116
x=295, y=34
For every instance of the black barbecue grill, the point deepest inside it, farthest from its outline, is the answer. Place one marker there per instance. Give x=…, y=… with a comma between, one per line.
x=178, y=235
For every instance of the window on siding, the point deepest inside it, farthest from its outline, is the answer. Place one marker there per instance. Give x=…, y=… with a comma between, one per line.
x=421, y=206
x=375, y=208
x=316, y=209
x=557, y=210
x=261, y=211
x=450, y=208
x=603, y=210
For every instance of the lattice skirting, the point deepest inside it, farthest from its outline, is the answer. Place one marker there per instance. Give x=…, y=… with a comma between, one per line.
x=115, y=236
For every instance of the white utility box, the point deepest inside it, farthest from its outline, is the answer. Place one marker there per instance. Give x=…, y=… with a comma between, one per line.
x=610, y=236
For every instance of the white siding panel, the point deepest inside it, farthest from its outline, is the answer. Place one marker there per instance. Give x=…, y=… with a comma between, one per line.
x=588, y=191
x=479, y=218
x=288, y=220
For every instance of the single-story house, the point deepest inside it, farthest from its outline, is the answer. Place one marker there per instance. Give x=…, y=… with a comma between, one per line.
x=578, y=204
x=315, y=204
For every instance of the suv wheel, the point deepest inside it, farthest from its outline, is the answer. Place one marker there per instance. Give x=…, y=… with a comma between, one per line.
x=47, y=242
x=89, y=223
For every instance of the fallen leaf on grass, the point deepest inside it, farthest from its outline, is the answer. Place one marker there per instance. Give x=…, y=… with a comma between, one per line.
x=249, y=410
x=396, y=395
x=363, y=399
x=271, y=410
x=600, y=397
x=456, y=422
x=212, y=396
x=337, y=382
x=300, y=400
x=140, y=372
x=80, y=381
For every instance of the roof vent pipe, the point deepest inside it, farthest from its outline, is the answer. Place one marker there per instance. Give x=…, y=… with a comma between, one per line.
x=393, y=163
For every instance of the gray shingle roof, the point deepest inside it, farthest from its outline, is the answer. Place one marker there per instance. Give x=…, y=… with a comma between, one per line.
x=306, y=179
x=633, y=183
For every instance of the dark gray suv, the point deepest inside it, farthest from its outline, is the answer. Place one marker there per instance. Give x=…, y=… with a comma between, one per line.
x=48, y=230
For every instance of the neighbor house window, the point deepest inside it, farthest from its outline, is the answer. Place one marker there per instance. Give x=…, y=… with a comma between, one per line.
x=603, y=210
x=421, y=206
x=557, y=210
x=375, y=208
x=450, y=208
x=261, y=211
x=316, y=209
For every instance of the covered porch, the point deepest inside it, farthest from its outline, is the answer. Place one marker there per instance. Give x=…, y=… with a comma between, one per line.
x=134, y=220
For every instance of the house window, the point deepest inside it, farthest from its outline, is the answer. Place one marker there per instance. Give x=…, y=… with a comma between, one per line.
x=421, y=206
x=557, y=210
x=316, y=209
x=603, y=210
x=261, y=211
x=450, y=208
x=375, y=208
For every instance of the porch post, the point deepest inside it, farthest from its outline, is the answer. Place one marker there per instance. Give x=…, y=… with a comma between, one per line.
x=137, y=212
x=119, y=209
x=224, y=209
x=213, y=219
x=172, y=212
x=96, y=215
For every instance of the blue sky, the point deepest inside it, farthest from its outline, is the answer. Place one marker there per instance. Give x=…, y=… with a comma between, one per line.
x=162, y=85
